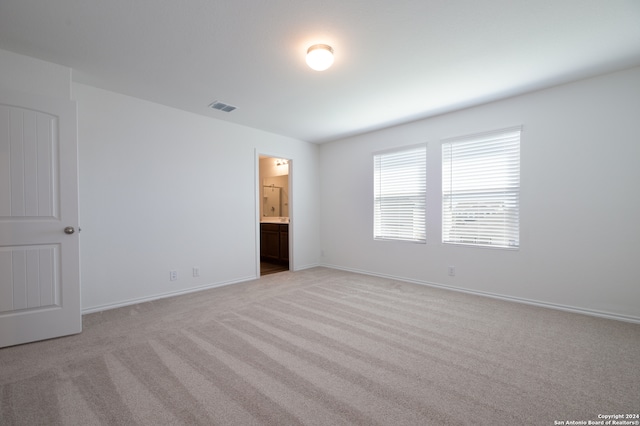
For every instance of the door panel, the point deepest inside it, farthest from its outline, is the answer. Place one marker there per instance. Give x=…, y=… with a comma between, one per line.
x=31, y=277
x=39, y=262
x=28, y=186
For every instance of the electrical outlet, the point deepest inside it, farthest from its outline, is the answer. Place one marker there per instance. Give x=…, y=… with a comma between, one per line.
x=452, y=271
x=173, y=275
x=196, y=271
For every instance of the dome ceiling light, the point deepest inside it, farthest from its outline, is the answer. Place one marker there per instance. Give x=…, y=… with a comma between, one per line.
x=320, y=57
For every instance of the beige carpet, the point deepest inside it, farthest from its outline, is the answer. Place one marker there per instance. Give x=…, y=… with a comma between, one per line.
x=325, y=347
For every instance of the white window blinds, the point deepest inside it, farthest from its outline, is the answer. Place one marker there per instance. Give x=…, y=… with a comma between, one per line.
x=481, y=189
x=400, y=194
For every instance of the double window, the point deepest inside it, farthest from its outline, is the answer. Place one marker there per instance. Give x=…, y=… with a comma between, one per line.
x=480, y=191
x=400, y=186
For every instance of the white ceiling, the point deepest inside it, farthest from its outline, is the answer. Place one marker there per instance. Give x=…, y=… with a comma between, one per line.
x=395, y=60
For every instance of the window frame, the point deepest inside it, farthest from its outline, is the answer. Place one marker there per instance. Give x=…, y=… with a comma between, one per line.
x=400, y=195
x=491, y=218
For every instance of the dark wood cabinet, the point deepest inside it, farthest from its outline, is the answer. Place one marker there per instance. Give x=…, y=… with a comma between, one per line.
x=284, y=243
x=274, y=242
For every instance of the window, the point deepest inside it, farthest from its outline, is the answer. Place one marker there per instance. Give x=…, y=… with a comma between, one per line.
x=481, y=189
x=400, y=194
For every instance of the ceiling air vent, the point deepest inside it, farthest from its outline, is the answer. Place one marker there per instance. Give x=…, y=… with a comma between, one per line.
x=221, y=106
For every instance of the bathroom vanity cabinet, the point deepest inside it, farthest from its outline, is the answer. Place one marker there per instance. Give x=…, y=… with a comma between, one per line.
x=274, y=242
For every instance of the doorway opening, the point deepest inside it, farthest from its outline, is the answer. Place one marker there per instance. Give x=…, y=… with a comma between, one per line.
x=274, y=203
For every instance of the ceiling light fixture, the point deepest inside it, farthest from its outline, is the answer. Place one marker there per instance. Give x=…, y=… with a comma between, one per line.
x=320, y=57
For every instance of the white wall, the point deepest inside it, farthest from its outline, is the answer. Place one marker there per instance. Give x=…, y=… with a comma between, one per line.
x=163, y=189
x=25, y=74
x=580, y=200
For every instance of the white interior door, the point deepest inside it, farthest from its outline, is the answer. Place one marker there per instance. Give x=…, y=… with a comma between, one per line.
x=39, y=261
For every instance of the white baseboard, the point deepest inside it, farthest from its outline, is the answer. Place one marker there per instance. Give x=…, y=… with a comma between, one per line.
x=159, y=296
x=308, y=266
x=129, y=302
x=591, y=312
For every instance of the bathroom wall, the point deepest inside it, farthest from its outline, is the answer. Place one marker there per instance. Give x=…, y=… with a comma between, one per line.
x=273, y=171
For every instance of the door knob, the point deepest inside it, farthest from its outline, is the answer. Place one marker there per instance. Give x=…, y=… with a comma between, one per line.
x=69, y=230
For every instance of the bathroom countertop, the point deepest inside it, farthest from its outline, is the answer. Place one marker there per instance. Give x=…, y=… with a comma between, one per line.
x=274, y=220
